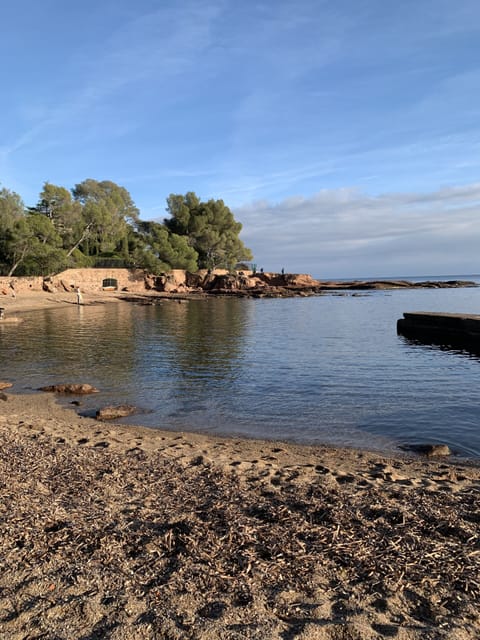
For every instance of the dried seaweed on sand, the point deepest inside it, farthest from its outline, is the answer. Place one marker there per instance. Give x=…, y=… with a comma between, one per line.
x=99, y=544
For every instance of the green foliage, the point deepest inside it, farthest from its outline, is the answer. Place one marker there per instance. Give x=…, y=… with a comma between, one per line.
x=57, y=204
x=13, y=231
x=107, y=209
x=43, y=259
x=161, y=250
x=80, y=260
x=98, y=223
x=11, y=209
x=211, y=230
x=43, y=252
x=29, y=243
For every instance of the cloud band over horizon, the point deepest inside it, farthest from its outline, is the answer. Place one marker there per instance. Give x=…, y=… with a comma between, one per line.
x=349, y=233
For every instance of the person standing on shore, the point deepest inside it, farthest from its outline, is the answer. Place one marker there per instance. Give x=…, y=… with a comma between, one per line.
x=12, y=289
x=79, y=296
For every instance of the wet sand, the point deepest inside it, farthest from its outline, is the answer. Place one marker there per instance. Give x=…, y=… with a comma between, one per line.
x=31, y=301
x=112, y=531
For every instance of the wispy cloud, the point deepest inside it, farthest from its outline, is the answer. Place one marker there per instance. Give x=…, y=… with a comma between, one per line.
x=152, y=47
x=246, y=101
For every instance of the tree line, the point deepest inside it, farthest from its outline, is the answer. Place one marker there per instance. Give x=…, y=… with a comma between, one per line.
x=97, y=224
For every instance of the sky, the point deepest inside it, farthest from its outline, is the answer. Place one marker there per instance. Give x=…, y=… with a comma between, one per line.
x=343, y=134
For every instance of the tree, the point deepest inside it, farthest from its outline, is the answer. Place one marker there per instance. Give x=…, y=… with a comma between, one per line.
x=11, y=208
x=107, y=210
x=29, y=242
x=161, y=250
x=57, y=204
x=44, y=253
x=211, y=230
x=13, y=230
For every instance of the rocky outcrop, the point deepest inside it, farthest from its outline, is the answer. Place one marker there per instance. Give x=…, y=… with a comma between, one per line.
x=217, y=281
x=48, y=286
x=260, y=284
x=295, y=280
x=78, y=389
x=395, y=284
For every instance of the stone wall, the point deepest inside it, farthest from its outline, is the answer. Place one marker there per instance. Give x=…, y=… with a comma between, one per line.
x=93, y=279
x=86, y=279
x=34, y=283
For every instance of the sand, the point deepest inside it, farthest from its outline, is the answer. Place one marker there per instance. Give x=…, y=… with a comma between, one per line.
x=33, y=300
x=112, y=531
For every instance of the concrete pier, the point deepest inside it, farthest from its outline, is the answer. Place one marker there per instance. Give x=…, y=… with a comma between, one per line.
x=456, y=329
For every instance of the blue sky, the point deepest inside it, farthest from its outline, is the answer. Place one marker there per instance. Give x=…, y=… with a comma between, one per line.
x=344, y=135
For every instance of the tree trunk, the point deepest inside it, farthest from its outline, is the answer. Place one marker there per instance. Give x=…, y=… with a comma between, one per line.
x=17, y=262
x=82, y=238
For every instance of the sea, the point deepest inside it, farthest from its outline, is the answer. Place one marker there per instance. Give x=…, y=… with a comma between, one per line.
x=326, y=369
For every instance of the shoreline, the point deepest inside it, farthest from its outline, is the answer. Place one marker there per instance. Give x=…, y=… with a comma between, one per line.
x=124, y=532
x=33, y=301
x=29, y=300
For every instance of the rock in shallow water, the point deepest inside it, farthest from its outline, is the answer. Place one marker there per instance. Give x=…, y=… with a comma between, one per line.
x=113, y=412
x=71, y=388
x=430, y=450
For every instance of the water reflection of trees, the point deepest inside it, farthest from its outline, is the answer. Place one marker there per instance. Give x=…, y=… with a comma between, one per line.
x=173, y=358
x=91, y=343
x=209, y=335
x=194, y=339
x=205, y=358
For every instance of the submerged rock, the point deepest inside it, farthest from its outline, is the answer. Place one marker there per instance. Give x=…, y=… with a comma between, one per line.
x=80, y=389
x=117, y=411
x=430, y=450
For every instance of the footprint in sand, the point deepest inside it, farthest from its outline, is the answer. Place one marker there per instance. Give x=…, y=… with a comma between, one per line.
x=82, y=441
x=134, y=451
x=344, y=479
x=321, y=469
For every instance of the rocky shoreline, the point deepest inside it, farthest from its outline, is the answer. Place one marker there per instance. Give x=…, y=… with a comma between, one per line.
x=125, y=283
x=283, y=285
x=39, y=295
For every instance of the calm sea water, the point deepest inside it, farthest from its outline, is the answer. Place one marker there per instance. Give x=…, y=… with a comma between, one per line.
x=327, y=369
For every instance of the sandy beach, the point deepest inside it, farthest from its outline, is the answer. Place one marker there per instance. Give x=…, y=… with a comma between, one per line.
x=32, y=301
x=109, y=531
